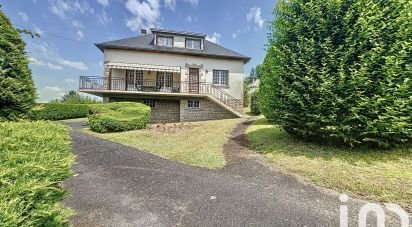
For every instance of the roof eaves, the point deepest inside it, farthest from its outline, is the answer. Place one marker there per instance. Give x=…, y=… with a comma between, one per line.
x=103, y=46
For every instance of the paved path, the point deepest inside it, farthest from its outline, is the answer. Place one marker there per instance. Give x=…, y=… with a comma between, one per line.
x=116, y=185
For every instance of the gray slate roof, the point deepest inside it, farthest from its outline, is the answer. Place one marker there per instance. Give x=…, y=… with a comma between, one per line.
x=145, y=43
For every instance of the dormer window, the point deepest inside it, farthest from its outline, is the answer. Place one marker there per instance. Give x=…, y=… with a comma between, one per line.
x=166, y=41
x=193, y=43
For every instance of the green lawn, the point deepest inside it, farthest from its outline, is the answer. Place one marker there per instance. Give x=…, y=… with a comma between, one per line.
x=198, y=143
x=379, y=175
x=34, y=158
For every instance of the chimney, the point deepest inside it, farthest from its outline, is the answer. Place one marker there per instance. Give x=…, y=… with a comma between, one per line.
x=143, y=32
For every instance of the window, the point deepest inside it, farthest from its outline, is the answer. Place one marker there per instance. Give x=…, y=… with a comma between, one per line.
x=166, y=41
x=150, y=102
x=193, y=104
x=134, y=77
x=221, y=77
x=164, y=80
x=193, y=43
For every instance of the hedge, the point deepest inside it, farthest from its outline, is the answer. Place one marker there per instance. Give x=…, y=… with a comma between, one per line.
x=118, y=117
x=254, y=103
x=35, y=159
x=58, y=111
x=17, y=91
x=340, y=71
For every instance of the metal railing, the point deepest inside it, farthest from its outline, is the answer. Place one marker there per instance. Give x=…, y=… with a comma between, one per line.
x=183, y=87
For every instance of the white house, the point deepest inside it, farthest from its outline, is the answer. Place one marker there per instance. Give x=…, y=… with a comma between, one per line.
x=180, y=75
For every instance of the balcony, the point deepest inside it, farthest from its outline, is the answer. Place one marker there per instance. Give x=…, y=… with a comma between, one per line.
x=122, y=84
x=102, y=85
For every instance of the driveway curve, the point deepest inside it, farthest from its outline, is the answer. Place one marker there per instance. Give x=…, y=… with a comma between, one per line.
x=116, y=185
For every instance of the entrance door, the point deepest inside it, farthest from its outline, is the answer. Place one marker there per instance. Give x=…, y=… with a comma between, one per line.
x=194, y=80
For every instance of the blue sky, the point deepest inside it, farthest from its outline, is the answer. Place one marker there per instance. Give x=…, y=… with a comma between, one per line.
x=69, y=29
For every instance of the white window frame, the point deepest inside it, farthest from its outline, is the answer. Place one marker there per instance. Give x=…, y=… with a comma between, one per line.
x=134, y=77
x=166, y=41
x=193, y=104
x=190, y=43
x=221, y=77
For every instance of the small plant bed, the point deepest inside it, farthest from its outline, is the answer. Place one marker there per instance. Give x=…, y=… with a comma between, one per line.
x=198, y=143
x=379, y=175
x=118, y=117
x=34, y=158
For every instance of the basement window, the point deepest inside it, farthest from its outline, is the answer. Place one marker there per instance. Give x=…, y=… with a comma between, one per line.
x=193, y=104
x=150, y=102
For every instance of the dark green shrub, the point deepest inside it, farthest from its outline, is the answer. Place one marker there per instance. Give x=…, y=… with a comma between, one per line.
x=35, y=159
x=341, y=70
x=17, y=92
x=118, y=117
x=58, y=111
x=254, y=103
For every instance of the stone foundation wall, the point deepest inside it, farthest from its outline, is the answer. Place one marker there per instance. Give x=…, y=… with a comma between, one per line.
x=165, y=111
x=207, y=110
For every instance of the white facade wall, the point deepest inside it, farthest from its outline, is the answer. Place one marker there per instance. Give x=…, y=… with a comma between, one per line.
x=235, y=67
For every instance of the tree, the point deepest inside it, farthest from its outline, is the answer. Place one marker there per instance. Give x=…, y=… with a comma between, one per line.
x=73, y=97
x=246, y=95
x=17, y=91
x=258, y=71
x=341, y=71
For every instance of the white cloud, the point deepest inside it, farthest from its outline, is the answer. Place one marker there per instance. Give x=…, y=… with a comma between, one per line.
x=70, y=81
x=50, y=92
x=37, y=30
x=193, y=2
x=44, y=54
x=65, y=8
x=80, y=35
x=77, y=24
x=73, y=64
x=255, y=15
x=103, y=18
x=35, y=61
x=215, y=38
x=52, y=89
x=145, y=13
x=234, y=35
x=104, y=3
x=171, y=4
x=23, y=16
x=189, y=19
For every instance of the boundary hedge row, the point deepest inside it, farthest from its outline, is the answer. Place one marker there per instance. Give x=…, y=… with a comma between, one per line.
x=58, y=111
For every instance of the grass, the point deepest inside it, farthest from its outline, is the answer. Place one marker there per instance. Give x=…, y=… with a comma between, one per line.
x=379, y=175
x=34, y=158
x=199, y=143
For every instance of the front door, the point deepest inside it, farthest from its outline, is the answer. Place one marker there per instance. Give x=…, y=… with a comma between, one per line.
x=194, y=80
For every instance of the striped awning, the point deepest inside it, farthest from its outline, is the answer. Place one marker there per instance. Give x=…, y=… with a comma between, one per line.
x=156, y=68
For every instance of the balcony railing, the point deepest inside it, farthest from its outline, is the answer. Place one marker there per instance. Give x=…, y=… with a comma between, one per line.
x=183, y=87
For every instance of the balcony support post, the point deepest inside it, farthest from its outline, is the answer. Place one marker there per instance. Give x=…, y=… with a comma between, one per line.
x=110, y=79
